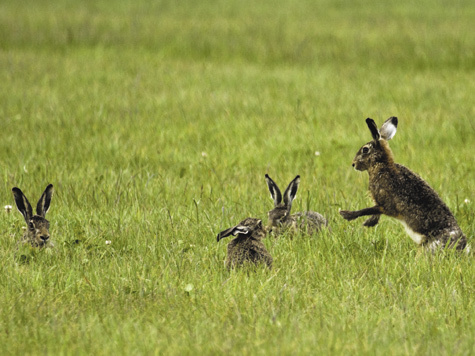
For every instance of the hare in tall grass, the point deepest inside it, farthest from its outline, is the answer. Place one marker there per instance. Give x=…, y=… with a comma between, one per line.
x=247, y=246
x=280, y=218
x=403, y=195
x=37, y=230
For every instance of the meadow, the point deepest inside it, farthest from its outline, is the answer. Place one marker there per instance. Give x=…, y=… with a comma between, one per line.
x=157, y=121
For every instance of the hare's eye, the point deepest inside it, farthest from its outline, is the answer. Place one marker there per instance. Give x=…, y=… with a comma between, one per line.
x=365, y=150
x=31, y=226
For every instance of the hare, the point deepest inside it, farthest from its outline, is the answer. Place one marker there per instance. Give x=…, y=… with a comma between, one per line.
x=247, y=246
x=37, y=231
x=401, y=194
x=279, y=217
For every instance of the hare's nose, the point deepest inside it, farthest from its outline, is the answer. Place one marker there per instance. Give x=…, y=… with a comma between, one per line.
x=44, y=237
x=353, y=165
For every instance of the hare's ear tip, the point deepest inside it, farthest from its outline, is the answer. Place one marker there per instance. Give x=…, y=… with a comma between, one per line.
x=267, y=176
x=221, y=235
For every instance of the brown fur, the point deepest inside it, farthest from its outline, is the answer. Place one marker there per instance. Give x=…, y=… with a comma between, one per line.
x=309, y=222
x=247, y=246
x=401, y=194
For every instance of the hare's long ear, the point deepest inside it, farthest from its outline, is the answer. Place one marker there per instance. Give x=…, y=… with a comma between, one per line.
x=238, y=229
x=291, y=192
x=373, y=128
x=274, y=190
x=22, y=204
x=43, y=204
x=389, y=128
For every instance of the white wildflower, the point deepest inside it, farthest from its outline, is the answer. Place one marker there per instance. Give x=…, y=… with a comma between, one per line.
x=8, y=208
x=317, y=153
x=108, y=242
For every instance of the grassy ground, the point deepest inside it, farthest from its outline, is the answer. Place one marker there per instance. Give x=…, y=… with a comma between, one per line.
x=156, y=124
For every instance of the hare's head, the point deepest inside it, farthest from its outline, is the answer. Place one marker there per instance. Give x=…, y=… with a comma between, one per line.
x=249, y=227
x=282, y=205
x=377, y=150
x=37, y=233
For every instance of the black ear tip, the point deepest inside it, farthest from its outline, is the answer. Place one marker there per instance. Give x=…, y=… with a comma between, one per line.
x=369, y=120
x=394, y=120
x=267, y=176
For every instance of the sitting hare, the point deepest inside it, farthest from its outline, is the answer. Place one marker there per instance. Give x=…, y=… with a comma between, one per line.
x=248, y=245
x=37, y=231
x=279, y=217
x=401, y=194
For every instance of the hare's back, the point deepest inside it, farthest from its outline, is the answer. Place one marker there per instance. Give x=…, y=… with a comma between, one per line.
x=310, y=220
x=242, y=250
x=415, y=192
x=420, y=205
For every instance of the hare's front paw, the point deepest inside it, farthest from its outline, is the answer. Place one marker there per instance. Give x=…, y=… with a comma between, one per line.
x=348, y=215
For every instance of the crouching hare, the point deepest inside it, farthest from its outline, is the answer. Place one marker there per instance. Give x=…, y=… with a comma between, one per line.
x=37, y=231
x=280, y=218
x=401, y=194
x=248, y=245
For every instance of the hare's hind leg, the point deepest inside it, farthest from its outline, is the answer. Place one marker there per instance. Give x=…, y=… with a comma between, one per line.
x=372, y=220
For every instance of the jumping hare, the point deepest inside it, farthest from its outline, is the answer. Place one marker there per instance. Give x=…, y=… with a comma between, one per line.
x=401, y=194
x=37, y=231
x=279, y=217
x=247, y=246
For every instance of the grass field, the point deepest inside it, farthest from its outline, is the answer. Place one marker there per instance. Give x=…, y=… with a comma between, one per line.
x=156, y=124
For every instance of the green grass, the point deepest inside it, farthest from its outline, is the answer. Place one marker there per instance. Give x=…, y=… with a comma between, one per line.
x=156, y=124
